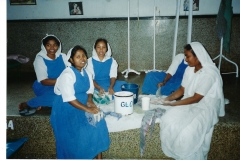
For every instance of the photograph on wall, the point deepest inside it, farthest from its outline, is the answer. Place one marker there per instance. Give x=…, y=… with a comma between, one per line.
x=22, y=2
x=75, y=8
x=195, y=6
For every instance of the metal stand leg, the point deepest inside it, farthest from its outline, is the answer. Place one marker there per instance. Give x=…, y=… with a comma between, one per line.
x=154, y=41
x=220, y=56
x=128, y=71
x=153, y=70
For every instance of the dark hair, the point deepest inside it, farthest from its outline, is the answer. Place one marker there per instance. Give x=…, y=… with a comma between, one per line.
x=48, y=38
x=74, y=51
x=101, y=40
x=74, y=4
x=189, y=48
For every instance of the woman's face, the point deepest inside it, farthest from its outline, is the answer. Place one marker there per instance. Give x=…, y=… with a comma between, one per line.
x=101, y=49
x=79, y=60
x=51, y=47
x=191, y=59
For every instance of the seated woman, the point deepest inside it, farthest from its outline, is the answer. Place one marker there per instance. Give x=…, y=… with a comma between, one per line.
x=76, y=137
x=187, y=127
x=48, y=65
x=169, y=81
x=104, y=68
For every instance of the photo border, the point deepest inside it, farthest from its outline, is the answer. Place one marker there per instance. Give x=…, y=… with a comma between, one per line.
x=79, y=4
x=195, y=5
x=13, y=2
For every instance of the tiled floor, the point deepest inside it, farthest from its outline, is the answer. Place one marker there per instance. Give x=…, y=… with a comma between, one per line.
x=19, y=90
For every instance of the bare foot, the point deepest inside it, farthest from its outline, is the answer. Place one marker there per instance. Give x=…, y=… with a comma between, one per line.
x=99, y=156
x=22, y=106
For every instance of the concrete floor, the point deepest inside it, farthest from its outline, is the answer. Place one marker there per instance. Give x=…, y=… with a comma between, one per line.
x=19, y=90
x=41, y=143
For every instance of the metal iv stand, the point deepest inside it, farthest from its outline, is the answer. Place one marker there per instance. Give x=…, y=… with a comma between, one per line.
x=154, y=35
x=129, y=69
x=220, y=56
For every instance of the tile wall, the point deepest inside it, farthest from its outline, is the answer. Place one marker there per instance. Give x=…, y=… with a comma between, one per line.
x=24, y=37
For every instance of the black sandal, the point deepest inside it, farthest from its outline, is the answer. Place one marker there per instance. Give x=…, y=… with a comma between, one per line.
x=27, y=111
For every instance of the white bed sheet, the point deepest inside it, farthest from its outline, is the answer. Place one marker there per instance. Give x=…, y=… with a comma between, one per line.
x=132, y=121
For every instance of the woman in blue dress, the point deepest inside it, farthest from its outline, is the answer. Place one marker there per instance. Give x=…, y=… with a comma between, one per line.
x=103, y=67
x=76, y=138
x=48, y=65
x=169, y=81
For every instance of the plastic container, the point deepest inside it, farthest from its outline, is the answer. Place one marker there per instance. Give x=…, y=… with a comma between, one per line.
x=123, y=102
x=131, y=88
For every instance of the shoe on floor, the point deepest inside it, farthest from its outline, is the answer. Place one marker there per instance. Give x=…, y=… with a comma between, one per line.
x=27, y=111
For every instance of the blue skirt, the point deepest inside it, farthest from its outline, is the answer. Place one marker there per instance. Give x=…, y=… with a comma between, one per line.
x=153, y=78
x=75, y=137
x=44, y=95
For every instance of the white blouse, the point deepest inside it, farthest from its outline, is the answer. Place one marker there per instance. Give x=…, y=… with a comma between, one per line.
x=41, y=68
x=65, y=84
x=175, y=63
x=199, y=82
x=113, y=69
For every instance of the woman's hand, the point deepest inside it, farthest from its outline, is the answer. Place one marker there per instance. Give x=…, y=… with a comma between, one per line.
x=101, y=91
x=91, y=104
x=110, y=91
x=92, y=108
x=160, y=84
x=168, y=76
x=166, y=102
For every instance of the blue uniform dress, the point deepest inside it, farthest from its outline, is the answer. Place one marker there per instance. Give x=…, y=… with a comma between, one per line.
x=153, y=78
x=101, y=71
x=45, y=94
x=75, y=137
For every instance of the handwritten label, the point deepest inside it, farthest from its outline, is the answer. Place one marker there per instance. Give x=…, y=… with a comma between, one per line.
x=10, y=125
x=127, y=104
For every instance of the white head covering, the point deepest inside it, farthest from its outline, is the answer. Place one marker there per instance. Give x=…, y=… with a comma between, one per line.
x=68, y=57
x=202, y=54
x=43, y=51
x=107, y=55
x=205, y=59
x=209, y=67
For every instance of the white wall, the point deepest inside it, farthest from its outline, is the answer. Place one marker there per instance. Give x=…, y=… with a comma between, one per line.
x=59, y=9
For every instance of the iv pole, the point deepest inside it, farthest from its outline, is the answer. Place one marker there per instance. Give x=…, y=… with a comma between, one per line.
x=176, y=29
x=190, y=11
x=154, y=36
x=189, y=33
x=129, y=69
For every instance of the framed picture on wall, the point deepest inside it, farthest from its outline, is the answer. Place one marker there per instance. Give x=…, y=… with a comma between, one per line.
x=75, y=8
x=22, y=2
x=195, y=6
